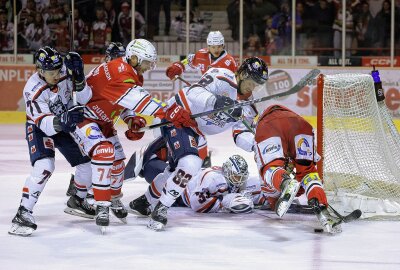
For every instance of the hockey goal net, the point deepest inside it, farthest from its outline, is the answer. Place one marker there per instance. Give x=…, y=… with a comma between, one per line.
x=359, y=145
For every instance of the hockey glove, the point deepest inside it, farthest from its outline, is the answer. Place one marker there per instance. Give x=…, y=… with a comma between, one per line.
x=68, y=120
x=177, y=68
x=134, y=124
x=179, y=117
x=74, y=65
x=230, y=115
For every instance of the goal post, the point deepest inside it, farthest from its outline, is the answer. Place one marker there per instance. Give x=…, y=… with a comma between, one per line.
x=359, y=145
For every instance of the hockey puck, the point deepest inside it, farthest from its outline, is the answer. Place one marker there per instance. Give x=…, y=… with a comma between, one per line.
x=318, y=230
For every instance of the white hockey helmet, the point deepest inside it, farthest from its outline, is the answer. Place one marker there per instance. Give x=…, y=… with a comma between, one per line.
x=236, y=170
x=143, y=49
x=215, y=38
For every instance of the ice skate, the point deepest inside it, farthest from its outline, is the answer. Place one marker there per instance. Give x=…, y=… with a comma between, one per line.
x=330, y=223
x=71, y=188
x=289, y=188
x=207, y=161
x=79, y=207
x=23, y=224
x=118, y=209
x=102, y=215
x=158, y=218
x=140, y=206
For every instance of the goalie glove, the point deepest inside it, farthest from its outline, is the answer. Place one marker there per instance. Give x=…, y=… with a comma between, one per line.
x=237, y=203
x=231, y=115
x=134, y=124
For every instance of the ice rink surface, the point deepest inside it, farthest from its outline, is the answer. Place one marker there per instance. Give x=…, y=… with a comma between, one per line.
x=191, y=241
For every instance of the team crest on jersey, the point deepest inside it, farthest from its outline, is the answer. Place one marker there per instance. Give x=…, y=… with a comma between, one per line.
x=304, y=147
x=57, y=107
x=48, y=143
x=177, y=145
x=93, y=133
x=192, y=141
x=33, y=149
x=173, y=132
x=121, y=68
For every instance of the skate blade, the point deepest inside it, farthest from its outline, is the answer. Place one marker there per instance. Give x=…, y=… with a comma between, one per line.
x=284, y=205
x=138, y=214
x=19, y=230
x=74, y=212
x=333, y=230
x=122, y=219
x=155, y=225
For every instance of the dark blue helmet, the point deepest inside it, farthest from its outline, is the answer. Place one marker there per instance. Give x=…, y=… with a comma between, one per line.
x=48, y=58
x=114, y=50
x=254, y=68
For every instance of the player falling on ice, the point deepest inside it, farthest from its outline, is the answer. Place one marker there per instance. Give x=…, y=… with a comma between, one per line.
x=227, y=188
x=217, y=88
x=51, y=116
x=117, y=91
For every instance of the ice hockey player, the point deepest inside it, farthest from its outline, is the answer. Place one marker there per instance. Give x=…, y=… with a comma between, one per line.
x=114, y=50
x=278, y=148
x=227, y=188
x=51, y=116
x=117, y=91
x=214, y=55
x=217, y=88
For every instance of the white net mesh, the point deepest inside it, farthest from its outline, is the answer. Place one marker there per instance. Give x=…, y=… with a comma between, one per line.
x=361, y=147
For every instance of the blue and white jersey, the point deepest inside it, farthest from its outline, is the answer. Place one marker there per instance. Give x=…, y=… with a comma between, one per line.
x=43, y=102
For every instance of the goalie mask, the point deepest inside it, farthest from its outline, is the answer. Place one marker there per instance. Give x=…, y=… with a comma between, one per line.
x=236, y=171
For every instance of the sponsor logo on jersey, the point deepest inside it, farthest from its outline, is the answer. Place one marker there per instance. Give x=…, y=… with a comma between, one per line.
x=271, y=148
x=93, y=133
x=173, y=132
x=303, y=147
x=192, y=141
x=30, y=137
x=107, y=72
x=48, y=143
x=177, y=145
x=33, y=149
x=104, y=150
x=100, y=113
x=121, y=68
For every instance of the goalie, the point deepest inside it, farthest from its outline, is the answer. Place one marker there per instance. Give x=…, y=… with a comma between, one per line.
x=227, y=188
x=284, y=138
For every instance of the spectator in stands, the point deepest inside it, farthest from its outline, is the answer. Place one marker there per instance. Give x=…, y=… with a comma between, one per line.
x=100, y=32
x=337, y=28
x=382, y=21
x=166, y=5
x=196, y=27
x=37, y=34
x=22, y=17
x=6, y=33
x=253, y=46
x=281, y=28
x=309, y=27
x=233, y=17
x=125, y=24
x=111, y=17
x=363, y=28
x=324, y=18
x=7, y=7
x=260, y=9
x=81, y=31
x=270, y=36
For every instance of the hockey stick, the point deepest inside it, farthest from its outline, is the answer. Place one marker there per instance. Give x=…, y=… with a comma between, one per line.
x=356, y=214
x=177, y=77
x=71, y=49
x=302, y=83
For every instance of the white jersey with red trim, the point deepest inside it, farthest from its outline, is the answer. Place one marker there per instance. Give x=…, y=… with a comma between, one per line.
x=205, y=192
x=43, y=102
x=201, y=97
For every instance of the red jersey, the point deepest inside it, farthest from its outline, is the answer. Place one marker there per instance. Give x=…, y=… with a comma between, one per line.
x=117, y=87
x=202, y=60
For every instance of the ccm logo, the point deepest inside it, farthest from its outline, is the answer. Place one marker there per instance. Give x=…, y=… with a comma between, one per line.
x=381, y=62
x=173, y=114
x=96, y=59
